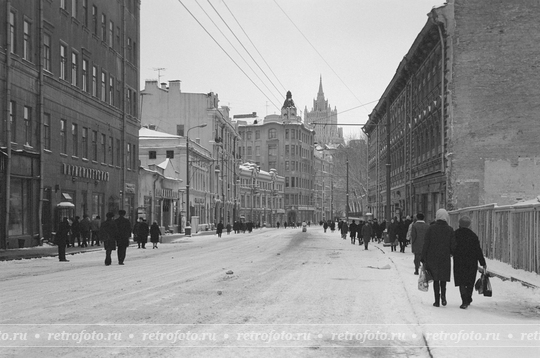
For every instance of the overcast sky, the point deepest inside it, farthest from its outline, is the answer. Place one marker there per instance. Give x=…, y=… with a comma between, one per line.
x=355, y=45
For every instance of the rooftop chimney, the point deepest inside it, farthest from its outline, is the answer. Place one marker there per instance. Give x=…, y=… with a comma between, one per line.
x=175, y=85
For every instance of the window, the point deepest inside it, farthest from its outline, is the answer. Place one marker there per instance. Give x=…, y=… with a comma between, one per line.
x=74, y=68
x=47, y=131
x=12, y=32
x=27, y=115
x=111, y=90
x=286, y=134
x=27, y=54
x=63, y=136
x=63, y=5
x=85, y=73
x=94, y=80
x=118, y=153
x=47, y=52
x=63, y=62
x=249, y=150
x=128, y=156
x=257, y=134
x=111, y=34
x=170, y=154
x=286, y=165
x=103, y=86
x=85, y=12
x=272, y=133
x=128, y=100
x=111, y=150
x=94, y=20
x=287, y=149
x=180, y=130
x=152, y=154
x=75, y=139
x=257, y=151
x=248, y=136
x=104, y=147
x=13, y=120
x=286, y=182
x=129, y=50
x=94, y=146
x=117, y=37
x=103, y=27
x=85, y=142
x=272, y=150
x=74, y=8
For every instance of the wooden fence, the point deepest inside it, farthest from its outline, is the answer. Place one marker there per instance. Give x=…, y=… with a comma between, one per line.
x=510, y=234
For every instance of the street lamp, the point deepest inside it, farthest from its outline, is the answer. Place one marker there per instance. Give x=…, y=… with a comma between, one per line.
x=188, y=207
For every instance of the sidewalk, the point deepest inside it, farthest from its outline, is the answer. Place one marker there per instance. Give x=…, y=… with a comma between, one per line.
x=52, y=250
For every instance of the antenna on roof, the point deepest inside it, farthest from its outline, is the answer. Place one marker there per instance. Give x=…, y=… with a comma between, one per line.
x=159, y=69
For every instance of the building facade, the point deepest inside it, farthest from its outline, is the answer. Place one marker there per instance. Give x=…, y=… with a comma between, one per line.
x=69, y=79
x=284, y=143
x=261, y=195
x=454, y=127
x=198, y=118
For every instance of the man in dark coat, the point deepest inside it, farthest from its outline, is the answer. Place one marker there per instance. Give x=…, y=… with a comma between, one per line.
x=467, y=255
x=375, y=228
x=439, y=244
x=61, y=238
x=367, y=233
x=418, y=232
x=85, y=230
x=124, y=233
x=402, y=234
x=142, y=233
x=108, y=233
x=219, y=229
x=353, y=229
x=392, y=233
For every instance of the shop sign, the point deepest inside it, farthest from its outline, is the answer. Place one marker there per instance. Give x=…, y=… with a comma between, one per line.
x=85, y=173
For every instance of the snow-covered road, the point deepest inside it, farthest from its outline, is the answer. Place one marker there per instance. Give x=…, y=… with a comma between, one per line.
x=271, y=293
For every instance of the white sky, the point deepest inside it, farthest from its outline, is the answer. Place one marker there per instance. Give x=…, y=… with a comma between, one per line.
x=355, y=45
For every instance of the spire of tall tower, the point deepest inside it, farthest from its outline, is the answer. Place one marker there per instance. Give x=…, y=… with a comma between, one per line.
x=321, y=93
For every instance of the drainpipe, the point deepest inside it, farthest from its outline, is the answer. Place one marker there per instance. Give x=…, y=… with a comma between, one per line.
x=7, y=190
x=40, y=121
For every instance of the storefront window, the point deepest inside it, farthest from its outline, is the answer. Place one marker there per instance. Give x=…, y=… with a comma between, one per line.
x=22, y=213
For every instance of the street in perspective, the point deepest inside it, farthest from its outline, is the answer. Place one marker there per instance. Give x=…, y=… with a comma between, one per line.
x=272, y=292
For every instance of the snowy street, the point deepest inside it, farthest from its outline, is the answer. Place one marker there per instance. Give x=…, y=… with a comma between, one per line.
x=271, y=293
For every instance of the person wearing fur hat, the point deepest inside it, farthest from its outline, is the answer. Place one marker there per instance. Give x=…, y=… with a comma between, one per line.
x=467, y=255
x=439, y=244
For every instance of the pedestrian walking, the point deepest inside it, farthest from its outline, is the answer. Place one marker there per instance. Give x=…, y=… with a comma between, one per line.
x=277, y=224
x=155, y=234
x=228, y=227
x=219, y=229
x=375, y=228
x=402, y=234
x=85, y=230
x=325, y=226
x=467, y=256
x=344, y=229
x=392, y=233
x=94, y=228
x=124, y=233
x=141, y=233
x=61, y=238
x=352, y=232
x=367, y=233
x=439, y=244
x=108, y=233
x=418, y=232
x=76, y=231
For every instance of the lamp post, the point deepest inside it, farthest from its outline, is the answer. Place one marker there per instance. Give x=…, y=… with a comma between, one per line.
x=188, y=207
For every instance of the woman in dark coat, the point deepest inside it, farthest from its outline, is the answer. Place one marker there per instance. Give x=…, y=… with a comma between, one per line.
x=439, y=244
x=466, y=258
x=155, y=234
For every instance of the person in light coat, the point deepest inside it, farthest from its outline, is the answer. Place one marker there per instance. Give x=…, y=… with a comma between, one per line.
x=418, y=232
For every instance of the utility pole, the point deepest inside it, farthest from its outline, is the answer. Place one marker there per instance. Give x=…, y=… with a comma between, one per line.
x=347, y=205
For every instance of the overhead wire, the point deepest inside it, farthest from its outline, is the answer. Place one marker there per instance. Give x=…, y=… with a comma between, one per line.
x=318, y=53
x=226, y=53
x=252, y=44
x=230, y=43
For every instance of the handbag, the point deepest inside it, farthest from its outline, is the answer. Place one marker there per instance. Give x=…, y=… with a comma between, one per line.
x=423, y=283
x=486, y=286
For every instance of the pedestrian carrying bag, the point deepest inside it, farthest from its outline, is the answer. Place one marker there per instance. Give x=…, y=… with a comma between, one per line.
x=423, y=283
x=486, y=286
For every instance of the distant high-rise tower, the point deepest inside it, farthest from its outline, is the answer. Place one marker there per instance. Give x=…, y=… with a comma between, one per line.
x=321, y=114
